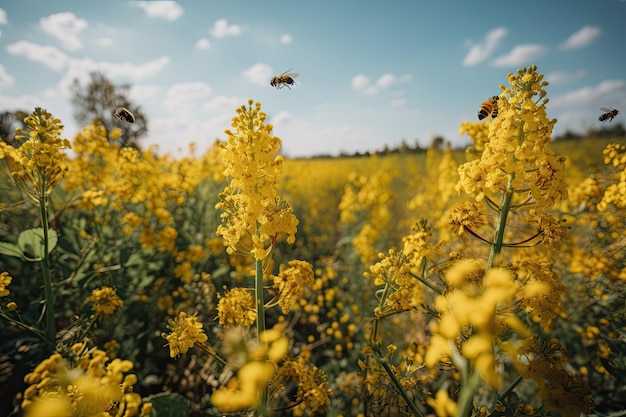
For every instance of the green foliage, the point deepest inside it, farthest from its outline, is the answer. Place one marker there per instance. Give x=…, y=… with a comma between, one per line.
x=30, y=245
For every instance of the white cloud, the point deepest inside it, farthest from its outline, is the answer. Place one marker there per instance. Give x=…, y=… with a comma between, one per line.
x=481, y=51
x=564, y=77
x=258, y=74
x=583, y=37
x=386, y=80
x=5, y=79
x=590, y=95
x=389, y=79
x=360, y=82
x=166, y=132
x=182, y=98
x=286, y=38
x=281, y=118
x=203, y=44
x=221, y=104
x=3, y=17
x=80, y=69
x=520, y=54
x=222, y=29
x=143, y=93
x=47, y=55
x=65, y=27
x=105, y=42
x=304, y=138
x=167, y=10
x=27, y=103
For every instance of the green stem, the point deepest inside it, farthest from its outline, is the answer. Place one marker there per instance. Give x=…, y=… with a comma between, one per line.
x=400, y=388
x=505, y=393
x=260, y=300
x=466, y=397
x=501, y=227
x=260, y=322
x=47, y=280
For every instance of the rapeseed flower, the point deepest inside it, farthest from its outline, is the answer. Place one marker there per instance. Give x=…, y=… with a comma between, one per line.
x=5, y=280
x=105, y=301
x=87, y=384
x=38, y=165
x=291, y=283
x=517, y=159
x=246, y=389
x=476, y=300
x=186, y=331
x=236, y=307
x=615, y=194
x=250, y=202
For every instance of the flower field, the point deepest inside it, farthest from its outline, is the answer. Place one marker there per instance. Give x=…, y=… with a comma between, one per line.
x=488, y=281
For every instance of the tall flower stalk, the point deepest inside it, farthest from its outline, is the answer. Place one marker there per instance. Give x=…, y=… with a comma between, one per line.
x=254, y=219
x=37, y=168
x=516, y=171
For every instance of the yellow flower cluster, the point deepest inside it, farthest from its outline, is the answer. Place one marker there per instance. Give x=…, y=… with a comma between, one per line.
x=365, y=203
x=143, y=187
x=5, y=280
x=543, y=360
x=291, y=282
x=250, y=203
x=542, y=293
x=517, y=157
x=38, y=165
x=236, y=307
x=260, y=363
x=88, y=385
x=615, y=155
x=105, y=301
x=478, y=132
x=186, y=331
x=467, y=216
x=473, y=311
x=313, y=393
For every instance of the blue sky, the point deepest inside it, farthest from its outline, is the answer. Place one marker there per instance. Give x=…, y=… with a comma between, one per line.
x=371, y=73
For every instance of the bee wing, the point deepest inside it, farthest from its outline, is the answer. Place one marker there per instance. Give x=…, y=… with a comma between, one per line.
x=606, y=109
x=289, y=73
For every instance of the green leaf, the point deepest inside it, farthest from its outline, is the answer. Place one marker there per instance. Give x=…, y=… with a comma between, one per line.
x=31, y=242
x=11, y=249
x=169, y=405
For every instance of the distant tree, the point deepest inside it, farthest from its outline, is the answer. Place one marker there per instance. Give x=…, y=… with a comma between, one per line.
x=568, y=135
x=100, y=98
x=437, y=142
x=9, y=121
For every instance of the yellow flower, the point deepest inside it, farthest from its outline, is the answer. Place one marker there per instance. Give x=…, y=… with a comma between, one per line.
x=313, y=391
x=105, y=301
x=86, y=386
x=443, y=405
x=38, y=165
x=244, y=390
x=5, y=280
x=517, y=157
x=292, y=282
x=236, y=307
x=186, y=331
x=250, y=203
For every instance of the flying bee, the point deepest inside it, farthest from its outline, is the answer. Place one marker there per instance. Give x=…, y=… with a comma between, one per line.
x=490, y=106
x=608, y=114
x=122, y=113
x=284, y=80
